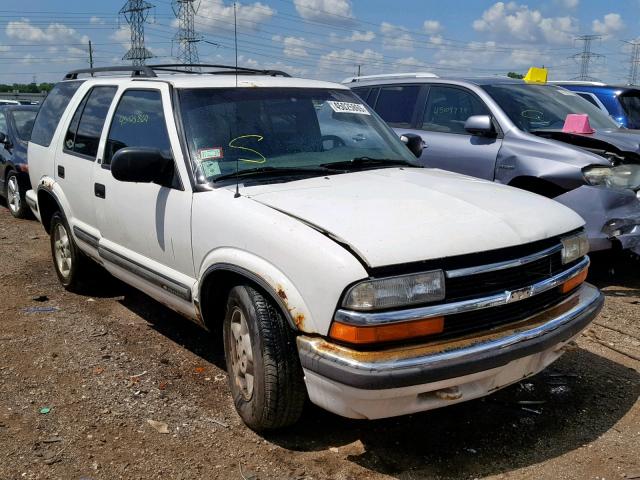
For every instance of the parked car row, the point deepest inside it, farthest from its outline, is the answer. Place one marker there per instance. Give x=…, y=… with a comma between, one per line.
x=511, y=132
x=284, y=215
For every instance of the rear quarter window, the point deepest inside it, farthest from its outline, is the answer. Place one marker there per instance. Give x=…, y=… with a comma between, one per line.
x=51, y=111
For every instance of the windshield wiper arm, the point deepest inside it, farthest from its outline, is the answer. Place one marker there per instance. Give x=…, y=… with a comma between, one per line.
x=359, y=162
x=258, y=171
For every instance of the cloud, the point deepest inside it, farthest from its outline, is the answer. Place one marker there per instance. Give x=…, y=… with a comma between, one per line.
x=369, y=59
x=56, y=33
x=432, y=26
x=395, y=37
x=214, y=14
x=611, y=23
x=97, y=20
x=293, y=46
x=356, y=36
x=122, y=36
x=513, y=21
x=337, y=12
x=570, y=4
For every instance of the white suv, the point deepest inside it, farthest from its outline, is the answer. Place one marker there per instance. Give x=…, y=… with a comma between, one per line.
x=285, y=213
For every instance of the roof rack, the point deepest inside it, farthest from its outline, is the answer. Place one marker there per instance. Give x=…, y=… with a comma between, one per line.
x=223, y=69
x=150, y=70
x=389, y=76
x=137, y=71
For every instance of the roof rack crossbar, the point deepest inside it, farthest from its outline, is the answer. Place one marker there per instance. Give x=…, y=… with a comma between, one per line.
x=224, y=69
x=136, y=71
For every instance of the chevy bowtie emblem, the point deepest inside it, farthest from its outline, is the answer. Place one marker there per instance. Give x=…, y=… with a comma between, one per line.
x=520, y=294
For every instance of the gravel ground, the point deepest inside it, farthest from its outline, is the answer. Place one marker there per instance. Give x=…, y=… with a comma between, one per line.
x=83, y=379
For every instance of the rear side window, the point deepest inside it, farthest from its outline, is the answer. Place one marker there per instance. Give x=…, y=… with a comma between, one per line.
x=86, y=125
x=448, y=109
x=138, y=122
x=589, y=98
x=51, y=111
x=396, y=104
x=363, y=93
x=631, y=105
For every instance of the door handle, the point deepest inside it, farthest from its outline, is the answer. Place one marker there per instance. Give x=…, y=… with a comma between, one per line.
x=99, y=190
x=60, y=171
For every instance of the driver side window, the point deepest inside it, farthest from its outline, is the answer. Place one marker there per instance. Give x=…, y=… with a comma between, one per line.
x=448, y=109
x=138, y=122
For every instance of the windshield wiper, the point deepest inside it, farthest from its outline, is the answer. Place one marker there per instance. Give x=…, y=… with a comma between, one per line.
x=267, y=171
x=364, y=162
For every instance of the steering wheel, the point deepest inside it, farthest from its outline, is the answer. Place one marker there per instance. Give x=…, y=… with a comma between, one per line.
x=337, y=141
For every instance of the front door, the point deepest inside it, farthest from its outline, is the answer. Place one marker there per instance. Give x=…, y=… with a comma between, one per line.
x=448, y=145
x=145, y=228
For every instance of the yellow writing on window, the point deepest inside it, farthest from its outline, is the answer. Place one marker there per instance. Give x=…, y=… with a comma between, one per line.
x=259, y=138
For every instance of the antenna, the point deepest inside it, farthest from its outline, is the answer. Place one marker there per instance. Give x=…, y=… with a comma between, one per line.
x=235, y=38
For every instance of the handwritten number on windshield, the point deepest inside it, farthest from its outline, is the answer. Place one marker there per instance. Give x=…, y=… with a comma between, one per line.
x=259, y=138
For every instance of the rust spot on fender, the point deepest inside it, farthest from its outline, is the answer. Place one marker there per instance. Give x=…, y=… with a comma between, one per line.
x=281, y=293
x=299, y=321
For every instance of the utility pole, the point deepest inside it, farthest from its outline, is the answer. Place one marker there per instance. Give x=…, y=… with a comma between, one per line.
x=586, y=56
x=359, y=69
x=186, y=38
x=135, y=12
x=634, y=68
x=90, y=55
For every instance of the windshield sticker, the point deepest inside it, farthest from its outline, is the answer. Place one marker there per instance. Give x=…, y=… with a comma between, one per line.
x=259, y=138
x=210, y=168
x=210, y=153
x=346, y=107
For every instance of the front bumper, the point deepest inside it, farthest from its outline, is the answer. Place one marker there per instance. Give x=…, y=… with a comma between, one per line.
x=611, y=215
x=362, y=384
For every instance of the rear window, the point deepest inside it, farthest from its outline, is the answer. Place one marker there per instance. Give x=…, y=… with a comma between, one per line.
x=631, y=105
x=51, y=111
x=23, y=120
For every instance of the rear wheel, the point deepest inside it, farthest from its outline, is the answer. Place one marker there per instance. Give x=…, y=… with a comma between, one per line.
x=15, y=197
x=69, y=262
x=264, y=369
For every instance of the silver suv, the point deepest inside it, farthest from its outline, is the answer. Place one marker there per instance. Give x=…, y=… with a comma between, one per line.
x=511, y=132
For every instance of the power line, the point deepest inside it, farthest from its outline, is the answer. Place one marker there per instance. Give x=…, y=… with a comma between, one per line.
x=586, y=56
x=186, y=38
x=135, y=12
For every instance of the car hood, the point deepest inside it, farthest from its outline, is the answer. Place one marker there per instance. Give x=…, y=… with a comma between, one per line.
x=401, y=215
x=620, y=140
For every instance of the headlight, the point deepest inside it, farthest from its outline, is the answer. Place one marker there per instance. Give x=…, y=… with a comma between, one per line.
x=574, y=247
x=396, y=291
x=622, y=176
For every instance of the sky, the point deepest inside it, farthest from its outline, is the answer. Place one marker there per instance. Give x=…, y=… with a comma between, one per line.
x=331, y=39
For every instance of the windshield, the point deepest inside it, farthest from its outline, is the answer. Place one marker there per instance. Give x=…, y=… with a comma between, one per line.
x=631, y=104
x=23, y=120
x=278, y=129
x=544, y=107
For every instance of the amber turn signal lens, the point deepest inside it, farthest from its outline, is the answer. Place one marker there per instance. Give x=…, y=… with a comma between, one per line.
x=386, y=333
x=572, y=283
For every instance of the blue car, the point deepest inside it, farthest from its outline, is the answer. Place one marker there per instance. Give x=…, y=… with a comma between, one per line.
x=622, y=103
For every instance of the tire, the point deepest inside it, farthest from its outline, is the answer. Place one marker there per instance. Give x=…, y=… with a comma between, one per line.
x=265, y=376
x=15, y=197
x=70, y=264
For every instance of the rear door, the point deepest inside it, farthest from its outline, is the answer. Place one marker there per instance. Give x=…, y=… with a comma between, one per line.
x=145, y=228
x=75, y=162
x=449, y=145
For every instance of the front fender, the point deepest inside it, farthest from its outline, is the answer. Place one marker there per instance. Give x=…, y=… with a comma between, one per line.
x=267, y=276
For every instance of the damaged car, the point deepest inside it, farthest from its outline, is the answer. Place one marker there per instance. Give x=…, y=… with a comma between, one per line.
x=518, y=134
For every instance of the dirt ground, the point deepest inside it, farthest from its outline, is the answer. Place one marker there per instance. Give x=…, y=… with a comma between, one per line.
x=81, y=376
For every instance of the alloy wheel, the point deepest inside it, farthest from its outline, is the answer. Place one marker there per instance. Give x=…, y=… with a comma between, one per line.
x=241, y=354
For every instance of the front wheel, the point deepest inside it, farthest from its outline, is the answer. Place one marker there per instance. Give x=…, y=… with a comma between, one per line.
x=264, y=369
x=15, y=197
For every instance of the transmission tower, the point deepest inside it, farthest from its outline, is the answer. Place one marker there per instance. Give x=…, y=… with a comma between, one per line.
x=186, y=38
x=634, y=68
x=135, y=12
x=586, y=56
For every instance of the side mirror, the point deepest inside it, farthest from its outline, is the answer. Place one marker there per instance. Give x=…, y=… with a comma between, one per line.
x=480, y=125
x=142, y=165
x=413, y=142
